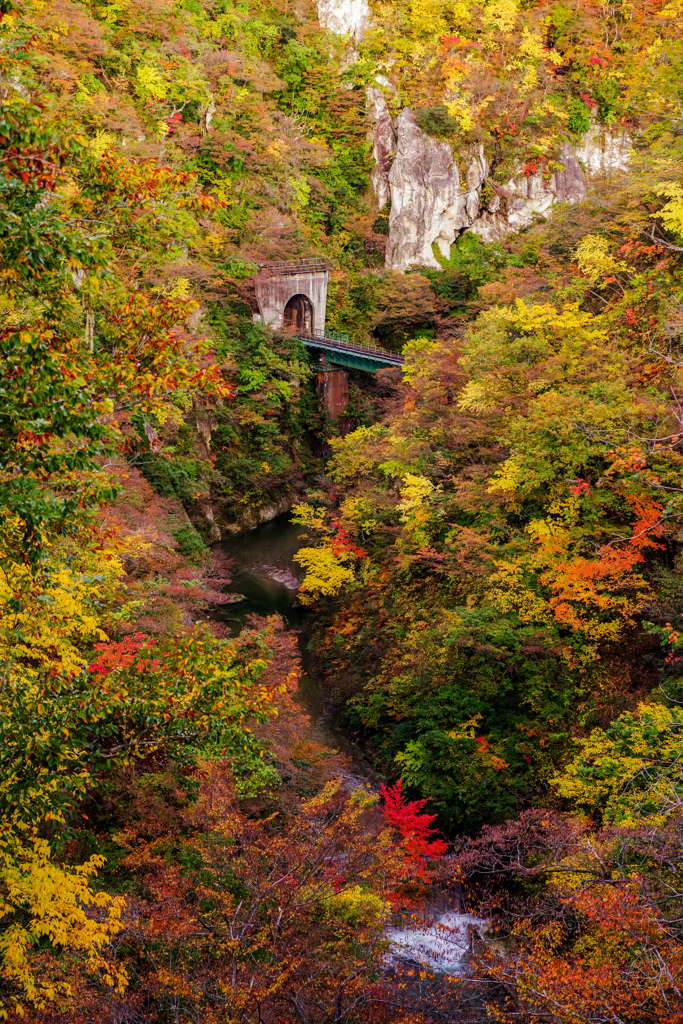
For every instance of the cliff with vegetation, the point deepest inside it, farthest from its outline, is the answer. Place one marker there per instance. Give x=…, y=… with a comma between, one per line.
x=492, y=553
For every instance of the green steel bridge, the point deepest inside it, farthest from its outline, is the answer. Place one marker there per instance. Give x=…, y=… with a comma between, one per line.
x=293, y=293
x=340, y=351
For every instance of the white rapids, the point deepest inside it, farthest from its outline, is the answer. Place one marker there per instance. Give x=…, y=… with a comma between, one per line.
x=440, y=944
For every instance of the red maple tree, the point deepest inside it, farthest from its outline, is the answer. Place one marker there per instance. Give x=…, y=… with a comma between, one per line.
x=414, y=828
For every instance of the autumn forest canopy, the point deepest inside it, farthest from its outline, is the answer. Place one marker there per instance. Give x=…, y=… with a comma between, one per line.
x=490, y=561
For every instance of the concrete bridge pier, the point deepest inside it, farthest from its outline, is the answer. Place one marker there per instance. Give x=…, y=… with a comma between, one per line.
x=333, y=389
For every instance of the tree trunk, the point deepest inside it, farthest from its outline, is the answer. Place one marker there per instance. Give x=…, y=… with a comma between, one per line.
x=90, y=327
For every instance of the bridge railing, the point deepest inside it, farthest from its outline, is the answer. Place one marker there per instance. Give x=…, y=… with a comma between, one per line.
x=333, y=336
x=343, y=342
x=304, y=266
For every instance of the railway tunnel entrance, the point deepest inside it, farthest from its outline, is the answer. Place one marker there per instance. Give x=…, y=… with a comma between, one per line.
x=299, y=313
x=294, y=292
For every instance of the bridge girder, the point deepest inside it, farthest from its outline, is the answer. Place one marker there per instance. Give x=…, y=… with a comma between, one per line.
x=351, y=360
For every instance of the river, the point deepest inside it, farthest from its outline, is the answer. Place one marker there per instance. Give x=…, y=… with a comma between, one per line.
x=265, y=578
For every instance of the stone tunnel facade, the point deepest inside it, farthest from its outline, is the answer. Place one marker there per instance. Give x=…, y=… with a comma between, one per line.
x=293, y=292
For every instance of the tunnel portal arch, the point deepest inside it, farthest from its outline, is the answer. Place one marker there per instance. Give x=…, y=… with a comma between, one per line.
x=299, y=313
x=293, y=291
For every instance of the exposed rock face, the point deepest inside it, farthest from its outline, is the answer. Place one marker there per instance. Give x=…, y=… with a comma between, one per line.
x=517, y=203
x=431, y=203
x=602, y=153
x=214, y=533
x=569, y=183
x=383, y=144
x=345, y=17
x=428, y=201
x=251, y=517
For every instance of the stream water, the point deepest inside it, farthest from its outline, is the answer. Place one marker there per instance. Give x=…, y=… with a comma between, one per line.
x=264, y=581
x=265, y=578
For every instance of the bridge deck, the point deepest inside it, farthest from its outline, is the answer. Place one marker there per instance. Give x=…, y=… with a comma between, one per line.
x=306, y=266
x=349, y=353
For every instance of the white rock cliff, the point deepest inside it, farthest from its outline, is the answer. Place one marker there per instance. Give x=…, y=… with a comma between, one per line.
x=433, y=202
x=603, y=153
x=515, y=204
x=429, y=203
x=383, y=138
x=345, y=17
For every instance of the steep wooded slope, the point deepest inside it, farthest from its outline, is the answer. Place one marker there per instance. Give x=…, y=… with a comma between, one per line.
x=495, y=549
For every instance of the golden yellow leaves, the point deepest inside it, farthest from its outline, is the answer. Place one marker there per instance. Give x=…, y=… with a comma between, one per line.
x=595, y=260
x=461, y=110
x=150, y=83
x=358, y=512
x=501, y=15
x=308, y=516
x=216, y=243
x=415, y=493
x=102, y=143
x=325, y=575
x=179, y=288
x=507, y=351
x=414, y=352
x=357, y=906
x=466, y=730
x=327, y=568
x=513, y=590
x=43, y=620
x=43, y=901
x=460, y=12
x=113, y=11
x=418, y=513
x=552, y=533
x=671, y=214
x=426, y=17
x=531, y=45
x=529, y=81
x=672, y=10
x=359, y=452
x=301, y=192
x=477, y=397
x=631, y=772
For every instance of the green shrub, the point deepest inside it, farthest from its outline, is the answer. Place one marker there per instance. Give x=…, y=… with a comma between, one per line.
x=436, y=121
x=580, y=120
x=190, y=543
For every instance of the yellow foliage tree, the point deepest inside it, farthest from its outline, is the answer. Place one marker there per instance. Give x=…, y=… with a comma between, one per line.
x=326, y=574
x=415, y=492
x=671, y=214
x=39, y=901
x=501, y=15
x=45, y=616
x=595, y=260
x=310, y=517
x=359, y=453
x=416, y=508
x=426, y=17
x=631, y=771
